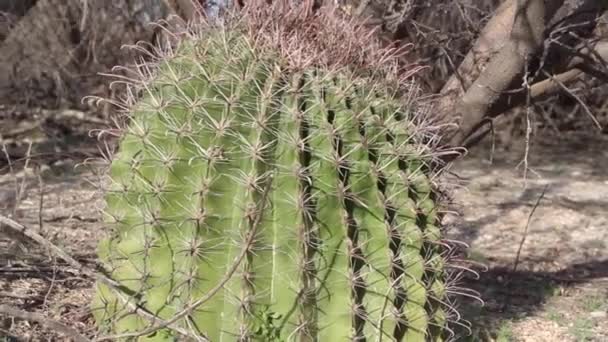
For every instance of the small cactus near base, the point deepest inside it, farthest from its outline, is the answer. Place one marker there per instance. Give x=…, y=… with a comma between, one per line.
x=264, y=191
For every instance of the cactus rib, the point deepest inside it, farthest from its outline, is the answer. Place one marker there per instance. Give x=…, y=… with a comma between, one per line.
x=262, y=195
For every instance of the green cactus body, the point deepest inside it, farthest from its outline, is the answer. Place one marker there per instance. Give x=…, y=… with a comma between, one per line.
x=315, y=175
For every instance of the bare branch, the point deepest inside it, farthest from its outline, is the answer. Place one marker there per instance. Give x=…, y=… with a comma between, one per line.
x=119, y=289
x=493, y=36
x=525, y=39
x=571, y=72
x=555, y=36
x=580, y=102
x=42, y=320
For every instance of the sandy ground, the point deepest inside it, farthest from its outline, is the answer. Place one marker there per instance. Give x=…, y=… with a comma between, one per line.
x=559, y=289
x=557, y=292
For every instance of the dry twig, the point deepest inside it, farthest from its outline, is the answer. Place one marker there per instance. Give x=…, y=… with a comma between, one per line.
x=41, y=319
x=25, y=231
x=525, y=235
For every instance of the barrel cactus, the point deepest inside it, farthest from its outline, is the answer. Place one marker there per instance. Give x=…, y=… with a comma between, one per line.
x=273, y=183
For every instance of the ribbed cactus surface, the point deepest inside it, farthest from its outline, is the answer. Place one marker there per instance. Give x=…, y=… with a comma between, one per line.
x=258, y=202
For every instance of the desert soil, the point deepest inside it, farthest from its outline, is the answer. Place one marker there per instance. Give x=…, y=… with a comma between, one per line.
x=557, y=292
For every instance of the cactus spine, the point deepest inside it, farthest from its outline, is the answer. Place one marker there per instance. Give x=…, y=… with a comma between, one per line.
x=258, y=201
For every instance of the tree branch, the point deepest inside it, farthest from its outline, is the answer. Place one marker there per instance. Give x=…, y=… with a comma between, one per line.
x=525, y=39
x=488, y=82
x=549, y=86
x=565, y=75
x=42, y=320
x=120, y=290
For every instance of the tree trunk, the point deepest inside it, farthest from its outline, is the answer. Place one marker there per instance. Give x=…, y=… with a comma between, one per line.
x=538, y=39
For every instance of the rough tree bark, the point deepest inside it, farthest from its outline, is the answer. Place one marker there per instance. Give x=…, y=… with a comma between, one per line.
x=519, y=44
x=514, y=45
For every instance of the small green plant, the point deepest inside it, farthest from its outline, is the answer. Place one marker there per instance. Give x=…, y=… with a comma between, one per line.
x=549, y=289
x=594, y=302
x=556, y=317
x=582, y=329
x=477, y=256
x=505, y=333
x=266, y=326
x=273, y=185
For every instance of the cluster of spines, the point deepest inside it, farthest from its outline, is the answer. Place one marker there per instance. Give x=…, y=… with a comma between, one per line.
x=324, y=167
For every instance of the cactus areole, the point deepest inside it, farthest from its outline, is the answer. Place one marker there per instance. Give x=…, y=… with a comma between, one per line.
x=271, y=184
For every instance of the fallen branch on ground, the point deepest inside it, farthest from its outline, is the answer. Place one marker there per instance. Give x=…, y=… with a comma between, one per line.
x=41, y=319
x=29, y=233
